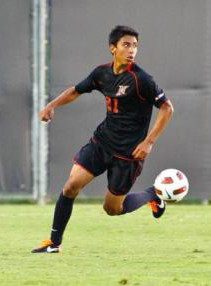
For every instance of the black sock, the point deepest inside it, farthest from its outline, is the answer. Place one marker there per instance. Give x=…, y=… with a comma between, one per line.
x=62, y=213
x=134, y=201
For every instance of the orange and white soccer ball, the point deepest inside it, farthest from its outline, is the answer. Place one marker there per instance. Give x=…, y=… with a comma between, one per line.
x=171, y=185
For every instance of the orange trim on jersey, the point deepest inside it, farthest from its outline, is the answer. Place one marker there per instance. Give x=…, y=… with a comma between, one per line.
x=129, y=67
x=137, y=86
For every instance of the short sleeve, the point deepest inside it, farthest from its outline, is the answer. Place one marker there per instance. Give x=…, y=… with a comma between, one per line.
x=88, y=84
x=153, y=93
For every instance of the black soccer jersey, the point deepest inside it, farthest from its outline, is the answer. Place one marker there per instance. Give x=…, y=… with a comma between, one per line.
x=129, y=97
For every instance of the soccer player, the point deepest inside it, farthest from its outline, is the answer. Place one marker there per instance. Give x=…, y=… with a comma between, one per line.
x=121, y=143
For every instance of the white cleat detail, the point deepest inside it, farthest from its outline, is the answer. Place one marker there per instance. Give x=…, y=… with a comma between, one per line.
x=161, y=205
x=52, y=249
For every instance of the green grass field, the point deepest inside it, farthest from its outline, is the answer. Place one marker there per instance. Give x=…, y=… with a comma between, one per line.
x=99, y=250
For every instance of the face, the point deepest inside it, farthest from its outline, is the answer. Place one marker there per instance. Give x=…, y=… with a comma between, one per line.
x=125, y=50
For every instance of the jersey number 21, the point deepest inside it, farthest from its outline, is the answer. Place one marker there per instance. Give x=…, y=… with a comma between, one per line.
x=112, y=104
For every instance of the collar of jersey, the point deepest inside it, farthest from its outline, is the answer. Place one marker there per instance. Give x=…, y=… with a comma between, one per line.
x=128, y=68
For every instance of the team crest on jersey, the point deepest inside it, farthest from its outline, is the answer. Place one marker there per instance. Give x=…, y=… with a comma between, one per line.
x=122, y=90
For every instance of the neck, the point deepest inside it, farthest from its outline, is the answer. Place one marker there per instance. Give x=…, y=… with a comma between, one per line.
x=119, y=67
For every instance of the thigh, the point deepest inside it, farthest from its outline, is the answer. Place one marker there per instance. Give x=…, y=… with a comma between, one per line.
x=78, y=179
x=122, y=175
x=80, y=176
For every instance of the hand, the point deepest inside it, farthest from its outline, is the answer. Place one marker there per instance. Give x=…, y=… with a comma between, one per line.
x=46, y=114
x=142, y=150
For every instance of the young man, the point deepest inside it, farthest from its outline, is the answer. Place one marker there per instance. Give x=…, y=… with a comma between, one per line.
x=121, y=143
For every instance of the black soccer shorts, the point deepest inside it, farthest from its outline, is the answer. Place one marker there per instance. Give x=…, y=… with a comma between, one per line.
x=121, y=173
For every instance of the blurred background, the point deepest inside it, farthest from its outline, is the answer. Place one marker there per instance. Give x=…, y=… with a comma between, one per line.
x=47, y=46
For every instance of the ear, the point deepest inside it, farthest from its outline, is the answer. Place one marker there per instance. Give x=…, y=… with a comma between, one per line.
x=112, y=49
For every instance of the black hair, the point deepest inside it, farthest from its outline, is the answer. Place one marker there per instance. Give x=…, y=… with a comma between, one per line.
x=120, y=31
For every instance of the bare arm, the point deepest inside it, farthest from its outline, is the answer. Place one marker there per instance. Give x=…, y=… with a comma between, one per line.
x=65, y=97
x=164, y=115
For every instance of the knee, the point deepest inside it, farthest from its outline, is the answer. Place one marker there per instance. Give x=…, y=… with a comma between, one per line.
x=71, y=188
x=111, y=210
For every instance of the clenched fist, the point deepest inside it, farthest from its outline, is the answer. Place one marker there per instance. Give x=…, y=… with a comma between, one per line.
x=46, y=114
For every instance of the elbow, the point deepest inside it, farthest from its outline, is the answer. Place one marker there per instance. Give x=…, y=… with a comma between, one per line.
x=171, y=110
x=168, y=107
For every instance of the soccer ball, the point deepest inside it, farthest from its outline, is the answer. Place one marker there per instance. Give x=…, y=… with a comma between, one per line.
x=171, y=185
